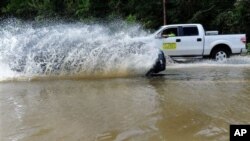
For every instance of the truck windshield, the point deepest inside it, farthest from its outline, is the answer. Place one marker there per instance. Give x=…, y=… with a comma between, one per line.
x=157, y=31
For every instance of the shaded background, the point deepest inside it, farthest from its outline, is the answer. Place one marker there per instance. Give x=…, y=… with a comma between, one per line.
x=227, y=16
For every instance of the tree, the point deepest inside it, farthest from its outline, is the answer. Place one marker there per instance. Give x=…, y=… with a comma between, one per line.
x=164, y=13
x=225, y=15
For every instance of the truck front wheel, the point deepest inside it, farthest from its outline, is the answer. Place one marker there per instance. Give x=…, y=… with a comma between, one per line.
x=220, y=54
x=160, y=64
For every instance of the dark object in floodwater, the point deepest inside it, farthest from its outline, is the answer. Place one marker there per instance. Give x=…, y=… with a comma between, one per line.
x=160, y=65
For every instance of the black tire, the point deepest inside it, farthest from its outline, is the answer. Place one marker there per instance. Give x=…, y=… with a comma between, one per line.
x=220, y=54
x=160, y=64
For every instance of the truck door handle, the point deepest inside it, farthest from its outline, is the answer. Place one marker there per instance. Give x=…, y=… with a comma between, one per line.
x=178, y=40
x=199, y=39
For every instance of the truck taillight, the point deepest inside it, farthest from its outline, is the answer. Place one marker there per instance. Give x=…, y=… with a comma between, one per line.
x=243, y=39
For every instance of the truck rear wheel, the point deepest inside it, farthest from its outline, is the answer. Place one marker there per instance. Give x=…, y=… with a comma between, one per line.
x=220, y=54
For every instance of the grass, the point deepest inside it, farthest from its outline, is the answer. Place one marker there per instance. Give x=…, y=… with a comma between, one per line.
x=248, y=47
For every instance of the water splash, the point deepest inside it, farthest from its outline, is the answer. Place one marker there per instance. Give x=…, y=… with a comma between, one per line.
x=73, y=49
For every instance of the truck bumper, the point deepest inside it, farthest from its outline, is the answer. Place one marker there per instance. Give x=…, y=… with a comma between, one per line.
x=243, y=51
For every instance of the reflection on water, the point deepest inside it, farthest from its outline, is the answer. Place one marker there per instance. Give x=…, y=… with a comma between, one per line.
x=185, y=104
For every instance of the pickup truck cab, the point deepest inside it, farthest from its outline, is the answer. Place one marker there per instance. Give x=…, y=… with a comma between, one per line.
x=191, y=41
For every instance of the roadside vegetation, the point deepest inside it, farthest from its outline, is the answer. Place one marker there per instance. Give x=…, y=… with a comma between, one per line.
x=227, y=16
x=248, y=47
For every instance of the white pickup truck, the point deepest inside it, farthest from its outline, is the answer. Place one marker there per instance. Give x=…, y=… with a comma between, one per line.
x=191, y=41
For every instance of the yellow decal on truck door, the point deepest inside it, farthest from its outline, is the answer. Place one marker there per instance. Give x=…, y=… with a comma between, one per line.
x=168, y=46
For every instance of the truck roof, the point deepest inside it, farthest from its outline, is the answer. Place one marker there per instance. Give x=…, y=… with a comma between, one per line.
x=181, y=25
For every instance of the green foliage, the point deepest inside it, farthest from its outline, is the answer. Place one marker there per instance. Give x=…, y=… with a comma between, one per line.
x=131, y=19
x=83, y=7
x=235, y=20
x=43, y=8
x=17, y=7
x=30, y=8
x=227, y=16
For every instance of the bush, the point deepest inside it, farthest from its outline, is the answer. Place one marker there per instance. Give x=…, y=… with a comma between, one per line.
x=248, y=47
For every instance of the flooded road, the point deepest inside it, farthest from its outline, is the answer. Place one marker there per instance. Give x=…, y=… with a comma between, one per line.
x=186, y=102
x=85, y=82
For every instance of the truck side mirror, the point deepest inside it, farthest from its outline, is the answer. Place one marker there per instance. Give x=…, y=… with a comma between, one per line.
x=160, y=36
x=165, y=36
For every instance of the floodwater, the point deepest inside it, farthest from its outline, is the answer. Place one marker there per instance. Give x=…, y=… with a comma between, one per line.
x=85, y=82
x=187, y=102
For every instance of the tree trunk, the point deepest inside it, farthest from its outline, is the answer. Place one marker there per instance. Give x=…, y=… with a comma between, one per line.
x=164, y=13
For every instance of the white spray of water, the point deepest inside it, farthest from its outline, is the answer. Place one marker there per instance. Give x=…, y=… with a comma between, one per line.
x=75, y=50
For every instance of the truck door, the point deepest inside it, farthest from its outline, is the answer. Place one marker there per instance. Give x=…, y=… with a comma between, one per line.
x=191, y=41
x=186, y=42
x=170, y=44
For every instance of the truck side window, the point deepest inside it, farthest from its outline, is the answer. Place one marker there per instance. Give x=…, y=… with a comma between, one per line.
x=190, y=31
x=170, y=32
